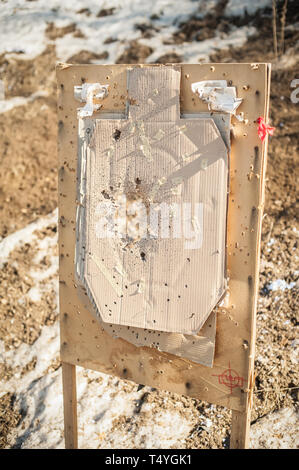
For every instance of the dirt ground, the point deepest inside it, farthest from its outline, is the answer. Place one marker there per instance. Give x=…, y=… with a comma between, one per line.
x=28, y=173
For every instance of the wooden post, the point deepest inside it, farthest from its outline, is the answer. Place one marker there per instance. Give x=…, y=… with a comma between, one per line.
x=240, y=428
x=70, y=405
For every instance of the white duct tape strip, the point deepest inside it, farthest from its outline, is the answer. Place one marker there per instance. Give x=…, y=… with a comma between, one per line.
x=86, y=93
x=217, y=95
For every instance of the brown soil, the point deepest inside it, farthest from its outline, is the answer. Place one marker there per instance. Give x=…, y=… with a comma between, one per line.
x=9, y=417
x=53, y=32
x=135, y=53
x=28, y=170
x=21, y=320
x=170, y=58
x=105, y=12
x=86, y=57
x=24, y=77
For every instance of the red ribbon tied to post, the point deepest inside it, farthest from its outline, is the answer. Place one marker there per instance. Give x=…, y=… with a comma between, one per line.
x=264, y=129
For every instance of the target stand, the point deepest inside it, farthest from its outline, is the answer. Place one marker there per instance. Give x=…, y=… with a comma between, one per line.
x=162, y=312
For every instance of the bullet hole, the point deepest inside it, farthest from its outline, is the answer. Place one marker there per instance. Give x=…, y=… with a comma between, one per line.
x=245, y=344
x=105, y=194
x=188, y=385
x=138, y=181
x=83, y=80
x=186, y=285
x=188, y=259
x=168, y=300
x=179, y=296
x=125, y=371
x=116, y=135
x=257, y=92
x=143, y=256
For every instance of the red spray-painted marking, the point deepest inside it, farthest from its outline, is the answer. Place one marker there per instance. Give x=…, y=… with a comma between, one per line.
x=264, y=129
x=230, y=378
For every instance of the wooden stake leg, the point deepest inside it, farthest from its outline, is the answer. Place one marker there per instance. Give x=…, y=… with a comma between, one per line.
x=240, y=427
x=70, y=405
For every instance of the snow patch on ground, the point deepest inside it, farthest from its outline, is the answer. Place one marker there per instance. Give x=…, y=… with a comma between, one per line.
x=18, y=35
x=274, y=431
x=7, y=105
x=19, y=16
x=25, y=235
x=240, y=7
x=194, y=52
x=280, y=284
x=45, y=350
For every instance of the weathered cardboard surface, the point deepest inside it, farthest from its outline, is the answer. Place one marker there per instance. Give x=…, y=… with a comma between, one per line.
x=84, y=342
x=155, y=281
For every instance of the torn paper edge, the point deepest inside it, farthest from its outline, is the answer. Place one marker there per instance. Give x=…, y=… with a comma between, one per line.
x=218, y=96
x=86, y=93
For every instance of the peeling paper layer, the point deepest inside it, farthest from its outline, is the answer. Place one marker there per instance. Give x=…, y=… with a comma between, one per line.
x=86, y=94
x=217, y=95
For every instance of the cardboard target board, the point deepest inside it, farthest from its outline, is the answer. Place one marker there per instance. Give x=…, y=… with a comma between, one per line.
x=160, y=201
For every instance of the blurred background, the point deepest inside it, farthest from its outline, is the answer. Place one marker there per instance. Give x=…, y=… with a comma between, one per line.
x=34, y=35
